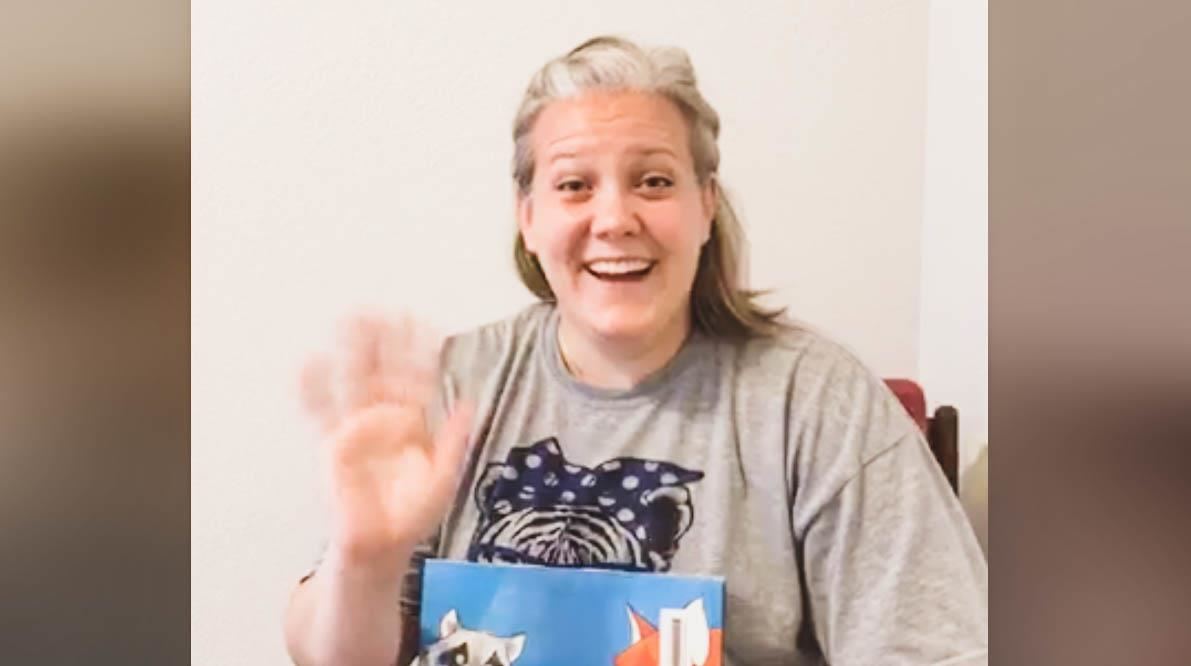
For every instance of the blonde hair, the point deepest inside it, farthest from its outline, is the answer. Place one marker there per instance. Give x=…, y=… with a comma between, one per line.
x=720, y=305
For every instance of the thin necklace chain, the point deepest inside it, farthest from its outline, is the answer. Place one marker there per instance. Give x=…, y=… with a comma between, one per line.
x=562, y=355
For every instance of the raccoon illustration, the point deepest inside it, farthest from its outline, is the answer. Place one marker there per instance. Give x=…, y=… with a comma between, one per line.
x=457, y=646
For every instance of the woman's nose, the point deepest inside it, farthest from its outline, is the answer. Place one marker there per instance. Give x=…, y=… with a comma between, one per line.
x=614, y=214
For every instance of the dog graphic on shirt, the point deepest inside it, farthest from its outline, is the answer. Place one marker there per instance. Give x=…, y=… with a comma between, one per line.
x=538, y=507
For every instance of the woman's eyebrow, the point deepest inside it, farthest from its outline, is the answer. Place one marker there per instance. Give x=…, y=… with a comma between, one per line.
x=564, y=155
x=637, y=151
x=647, y=151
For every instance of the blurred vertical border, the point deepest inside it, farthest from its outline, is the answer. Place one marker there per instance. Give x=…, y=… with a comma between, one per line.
x=1090, y=332
x=94, y=332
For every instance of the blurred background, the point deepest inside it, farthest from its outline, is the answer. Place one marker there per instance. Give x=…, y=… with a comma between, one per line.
x=94, y=331
x=358, y=156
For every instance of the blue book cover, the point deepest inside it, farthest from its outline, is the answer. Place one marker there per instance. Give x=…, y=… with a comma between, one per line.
x=525, y=615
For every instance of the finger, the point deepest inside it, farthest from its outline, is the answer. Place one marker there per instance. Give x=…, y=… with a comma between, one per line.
x=409, y=362
x=317, y=396
x=450, y=447
x=363, y=383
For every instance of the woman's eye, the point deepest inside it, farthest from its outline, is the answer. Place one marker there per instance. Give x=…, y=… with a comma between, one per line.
x=657, y=182
x=572, y=185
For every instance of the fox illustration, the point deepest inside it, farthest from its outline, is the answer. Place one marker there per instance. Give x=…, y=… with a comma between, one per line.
x=694, y=644
x=457, y=646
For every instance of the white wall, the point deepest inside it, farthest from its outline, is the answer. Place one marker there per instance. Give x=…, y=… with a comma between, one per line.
x=348, y=154
x=953, y=334
x=825, y=147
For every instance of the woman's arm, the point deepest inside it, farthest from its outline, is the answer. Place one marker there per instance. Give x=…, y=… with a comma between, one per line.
x=390, y=484
x=347, y=614
x=893, y=570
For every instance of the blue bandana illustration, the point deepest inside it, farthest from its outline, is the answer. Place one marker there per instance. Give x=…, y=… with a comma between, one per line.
x=536, y=507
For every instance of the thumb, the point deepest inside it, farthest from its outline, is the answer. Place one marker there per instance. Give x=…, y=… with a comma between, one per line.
x=316, y=393
x=450, y=445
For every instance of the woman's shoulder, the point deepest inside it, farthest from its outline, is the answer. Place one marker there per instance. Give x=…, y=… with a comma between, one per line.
x=825, y=380
x=840, y=411
x=497, y=339
x=799, y=348
x=815, y=370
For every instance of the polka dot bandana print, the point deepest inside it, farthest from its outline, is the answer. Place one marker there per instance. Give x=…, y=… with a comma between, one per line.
x=625, y=513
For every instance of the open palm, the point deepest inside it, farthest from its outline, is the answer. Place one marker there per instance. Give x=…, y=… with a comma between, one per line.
x=391, y=481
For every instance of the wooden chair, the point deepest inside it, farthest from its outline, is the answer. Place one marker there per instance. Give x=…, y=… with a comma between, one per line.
x=941, y=428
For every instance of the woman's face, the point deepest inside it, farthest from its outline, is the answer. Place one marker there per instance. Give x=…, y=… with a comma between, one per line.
x=615, y=213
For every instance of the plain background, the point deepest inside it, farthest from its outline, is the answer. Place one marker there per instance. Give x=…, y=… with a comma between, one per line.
x=348, y=156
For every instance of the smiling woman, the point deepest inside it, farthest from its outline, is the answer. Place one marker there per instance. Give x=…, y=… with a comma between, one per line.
x=678, y=124
x=646, y=416
x=615, y=219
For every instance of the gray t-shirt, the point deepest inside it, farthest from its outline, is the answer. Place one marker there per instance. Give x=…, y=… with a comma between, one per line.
x=781, y=464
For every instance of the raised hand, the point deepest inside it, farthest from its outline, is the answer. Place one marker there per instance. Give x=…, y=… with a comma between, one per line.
x=391, y=480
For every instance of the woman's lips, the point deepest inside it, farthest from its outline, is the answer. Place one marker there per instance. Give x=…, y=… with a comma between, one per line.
x=620, y=269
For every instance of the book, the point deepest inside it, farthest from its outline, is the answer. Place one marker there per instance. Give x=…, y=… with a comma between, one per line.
x=478, y=614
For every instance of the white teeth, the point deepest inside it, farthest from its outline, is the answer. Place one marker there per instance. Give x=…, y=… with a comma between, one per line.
x=618, y=266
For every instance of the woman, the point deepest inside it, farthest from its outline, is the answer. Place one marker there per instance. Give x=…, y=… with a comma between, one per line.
x=767, y=454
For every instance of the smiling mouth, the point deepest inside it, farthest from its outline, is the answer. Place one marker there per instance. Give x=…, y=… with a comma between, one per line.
x=619, y=270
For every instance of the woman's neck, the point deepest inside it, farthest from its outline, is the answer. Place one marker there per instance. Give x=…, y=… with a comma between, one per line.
x=618, y=365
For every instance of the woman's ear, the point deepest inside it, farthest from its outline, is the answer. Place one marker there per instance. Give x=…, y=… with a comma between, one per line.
x=710, y=198
x=525, y=219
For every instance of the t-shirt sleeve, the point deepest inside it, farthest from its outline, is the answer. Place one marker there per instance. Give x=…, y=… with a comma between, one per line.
x=411, y=601
x=893, y=572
